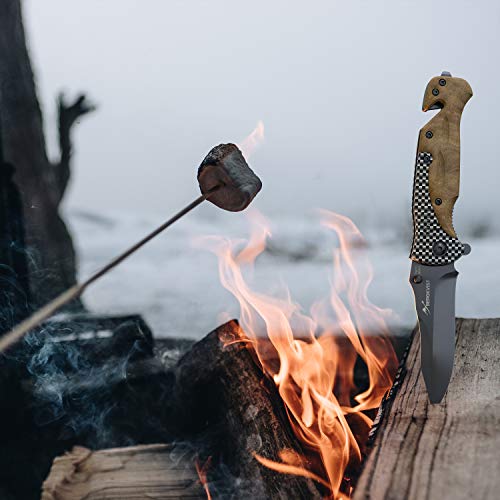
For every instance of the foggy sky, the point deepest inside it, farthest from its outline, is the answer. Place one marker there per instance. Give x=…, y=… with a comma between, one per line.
x=338, y=86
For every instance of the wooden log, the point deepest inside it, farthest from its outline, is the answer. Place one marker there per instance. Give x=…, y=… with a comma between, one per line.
x=137, y=472
x=447, y=450
x=222, y=399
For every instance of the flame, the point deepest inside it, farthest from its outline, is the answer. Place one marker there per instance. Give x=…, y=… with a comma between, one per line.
x=252, y=141
x=317, y=352
x=201, y=470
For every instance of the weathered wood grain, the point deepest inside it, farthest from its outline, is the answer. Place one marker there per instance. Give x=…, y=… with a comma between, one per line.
x=137, y=472
x=446, y=451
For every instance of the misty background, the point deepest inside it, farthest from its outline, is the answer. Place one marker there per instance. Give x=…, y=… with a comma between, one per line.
x=338, y=86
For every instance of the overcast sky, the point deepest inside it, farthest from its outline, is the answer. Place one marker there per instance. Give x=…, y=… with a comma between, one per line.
x=338, y=86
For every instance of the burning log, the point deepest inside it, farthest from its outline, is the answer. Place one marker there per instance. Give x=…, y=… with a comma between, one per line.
x=153, y=471
x=447, y=450
x=222, y=398
x=216, y=397
x=220, y=402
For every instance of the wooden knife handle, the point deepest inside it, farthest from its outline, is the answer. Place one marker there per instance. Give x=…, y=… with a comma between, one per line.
x=441, y=138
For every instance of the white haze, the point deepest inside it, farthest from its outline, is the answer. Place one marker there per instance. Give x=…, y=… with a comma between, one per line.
x=338, y=86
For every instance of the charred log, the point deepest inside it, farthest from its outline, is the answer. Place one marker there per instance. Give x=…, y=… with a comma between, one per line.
x=223, y=400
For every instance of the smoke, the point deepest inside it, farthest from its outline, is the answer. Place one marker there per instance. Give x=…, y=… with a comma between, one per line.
x=87, y=384
x=83, y=394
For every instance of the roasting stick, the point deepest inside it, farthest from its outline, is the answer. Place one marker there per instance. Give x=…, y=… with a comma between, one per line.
x=224, y=177
x=75, y=291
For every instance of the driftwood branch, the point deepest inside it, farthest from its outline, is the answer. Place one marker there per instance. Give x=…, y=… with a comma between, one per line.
x=448, y=450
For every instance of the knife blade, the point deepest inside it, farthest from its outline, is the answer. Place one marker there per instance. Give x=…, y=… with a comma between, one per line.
x=435, y=246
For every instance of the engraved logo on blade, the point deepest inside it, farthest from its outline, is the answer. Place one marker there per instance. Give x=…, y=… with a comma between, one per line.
x=427, y=304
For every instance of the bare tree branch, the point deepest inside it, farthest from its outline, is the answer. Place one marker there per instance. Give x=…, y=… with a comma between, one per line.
x=68, y=115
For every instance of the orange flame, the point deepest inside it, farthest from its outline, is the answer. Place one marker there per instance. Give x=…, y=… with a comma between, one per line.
x=252, y=141
x=317, y=352
x=201, y=470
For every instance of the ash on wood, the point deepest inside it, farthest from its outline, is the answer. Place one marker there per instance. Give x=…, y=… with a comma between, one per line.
x=221, y=397
x=152, y=471
x=447, y=450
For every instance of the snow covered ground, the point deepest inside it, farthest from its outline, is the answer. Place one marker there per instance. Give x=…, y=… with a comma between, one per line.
x=174, y=284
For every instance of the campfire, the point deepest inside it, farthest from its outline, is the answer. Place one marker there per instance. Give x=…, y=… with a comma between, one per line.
x=278, y=403
x=311, y=358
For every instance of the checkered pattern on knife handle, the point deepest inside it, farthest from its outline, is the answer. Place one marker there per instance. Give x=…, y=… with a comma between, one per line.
x=426, y=229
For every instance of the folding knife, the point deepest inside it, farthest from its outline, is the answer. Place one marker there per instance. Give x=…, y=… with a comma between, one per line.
x=435, y=245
